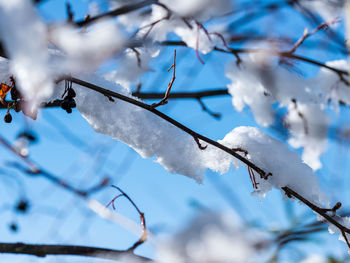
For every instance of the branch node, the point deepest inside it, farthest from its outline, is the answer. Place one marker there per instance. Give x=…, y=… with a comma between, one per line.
x=200, y=146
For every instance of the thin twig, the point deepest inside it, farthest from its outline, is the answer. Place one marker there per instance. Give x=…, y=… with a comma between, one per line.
x=306, y=34
x=143, y=237
x=302, y=117
x=321, y=211
x=197, y=46
x=165, y=99
x=216, y=115
x=35, y=170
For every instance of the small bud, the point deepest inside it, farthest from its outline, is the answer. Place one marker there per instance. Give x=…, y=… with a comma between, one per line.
x=336, y=207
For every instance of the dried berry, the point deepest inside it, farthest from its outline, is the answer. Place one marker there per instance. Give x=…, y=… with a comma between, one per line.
x=71, y=93
x=68, y=103
x=17, y=107
x=8, y=118
x=72, y=103
x=65, y=104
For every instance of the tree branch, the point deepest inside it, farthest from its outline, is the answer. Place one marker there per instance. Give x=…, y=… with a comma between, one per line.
x=286, y=54
x=154, y=96
x=322, y=212
x=117, y=12
x=263, y=174
x=68, y=250
x=165, y=117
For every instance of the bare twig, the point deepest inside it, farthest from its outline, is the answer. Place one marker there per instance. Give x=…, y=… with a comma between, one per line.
x=165, y=99
x=138, y=56
x=143, y=237
x=113, y=201
x=306, y=34
x=252, y=178
x=69, y=12
x=216, y=115
x=197, y=46
x=151, y=25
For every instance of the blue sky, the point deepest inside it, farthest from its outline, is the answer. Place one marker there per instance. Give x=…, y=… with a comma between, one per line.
x=168, y=200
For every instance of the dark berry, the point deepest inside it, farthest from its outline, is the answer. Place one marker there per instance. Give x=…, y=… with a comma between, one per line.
x=17, y=107
x=15, y=95
x=65, y=104
x=71, y=93
x=72, y=103
x=8, y=118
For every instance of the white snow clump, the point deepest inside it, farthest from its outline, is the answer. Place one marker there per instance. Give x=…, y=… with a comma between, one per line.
x=178, y=152
x=25, y=40
x=259, y=85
